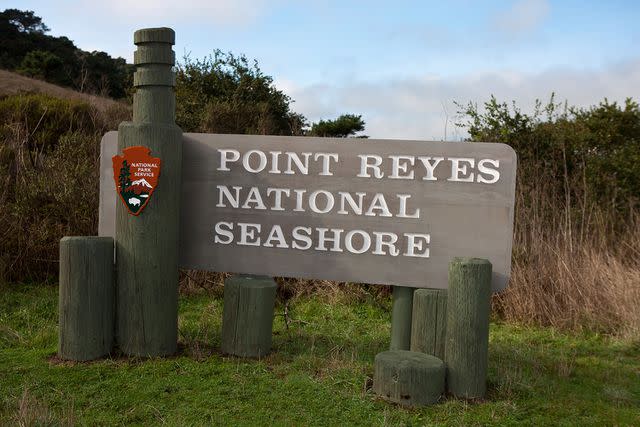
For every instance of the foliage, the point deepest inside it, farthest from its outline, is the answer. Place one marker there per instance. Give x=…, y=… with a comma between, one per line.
x=42, y=64
x=28, y=49
x=583, y=155
x=24, y=21
x=344, y=126
x=49, y=151
x=577, y=227
x=319, y=374
x=224, y=93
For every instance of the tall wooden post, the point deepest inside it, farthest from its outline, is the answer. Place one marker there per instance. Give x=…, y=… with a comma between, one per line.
x=147, y=244
x=467, y=343
x=401, y=318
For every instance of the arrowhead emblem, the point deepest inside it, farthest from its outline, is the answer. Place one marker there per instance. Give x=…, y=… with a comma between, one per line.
x=136, y=176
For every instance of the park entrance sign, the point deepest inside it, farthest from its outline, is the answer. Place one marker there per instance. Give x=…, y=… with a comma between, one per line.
x=405, y=213
x=372, y=211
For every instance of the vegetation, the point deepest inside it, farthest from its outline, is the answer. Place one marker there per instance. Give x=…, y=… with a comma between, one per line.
x=320, y=373
x=344, y=126
x=27, y=48
x=577, y=230
x=49, y=151
x=226, y=94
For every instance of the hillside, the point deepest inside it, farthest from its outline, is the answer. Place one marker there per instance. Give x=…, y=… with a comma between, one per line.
x=12, y=83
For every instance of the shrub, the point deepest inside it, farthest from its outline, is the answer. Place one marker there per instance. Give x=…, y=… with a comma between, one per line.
x=49, y=151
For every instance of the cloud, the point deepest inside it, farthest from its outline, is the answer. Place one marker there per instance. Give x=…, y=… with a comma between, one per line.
x=423, y=107
x=218, y=12
x=523, y=16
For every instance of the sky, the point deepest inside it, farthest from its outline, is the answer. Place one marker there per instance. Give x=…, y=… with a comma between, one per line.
x=402, y=65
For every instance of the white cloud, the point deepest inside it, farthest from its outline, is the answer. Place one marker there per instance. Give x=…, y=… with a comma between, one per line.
x=217, y=12
x=523, y=16
x=417, y=108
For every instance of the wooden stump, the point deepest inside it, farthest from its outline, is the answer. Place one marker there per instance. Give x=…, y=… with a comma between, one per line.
x=467, y=344
x=86, y=298
x=429, y=322
x=401, y=318
x=247, y=319
x=408, y=378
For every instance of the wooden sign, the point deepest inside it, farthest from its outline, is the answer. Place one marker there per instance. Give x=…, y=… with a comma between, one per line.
x=356, y=210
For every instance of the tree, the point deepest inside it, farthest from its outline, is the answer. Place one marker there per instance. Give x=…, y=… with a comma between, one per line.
x=225, y=93
x=344, y=126
x=124, y=177
x=24, y=21
x=41, y=64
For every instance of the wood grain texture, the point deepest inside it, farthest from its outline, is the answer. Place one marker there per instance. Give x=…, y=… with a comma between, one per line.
x=86, y=298
x=408, y=378
x=147, y=245
x=467, y=343
x=401, y=318
x=247, y=320
x=429, y=322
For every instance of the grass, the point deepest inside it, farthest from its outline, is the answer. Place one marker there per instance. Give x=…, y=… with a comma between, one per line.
x=12, y=83
x=319, y=374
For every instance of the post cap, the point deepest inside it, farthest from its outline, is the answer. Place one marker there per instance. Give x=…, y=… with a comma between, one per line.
x=155, y=35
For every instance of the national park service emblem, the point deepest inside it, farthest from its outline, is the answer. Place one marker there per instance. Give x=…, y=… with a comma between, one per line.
x=136, y=175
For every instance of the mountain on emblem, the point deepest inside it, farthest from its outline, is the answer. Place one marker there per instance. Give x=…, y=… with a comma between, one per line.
x=136, y=176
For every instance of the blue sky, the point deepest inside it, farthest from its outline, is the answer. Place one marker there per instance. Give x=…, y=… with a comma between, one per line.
x=400, y=64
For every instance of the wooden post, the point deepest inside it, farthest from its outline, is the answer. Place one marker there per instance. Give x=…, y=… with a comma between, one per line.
x=401, y=318
x=86, y=298
x=467, y=343
x=408, y=378
x=247, y=318
x=429, y=321
x=147, y=244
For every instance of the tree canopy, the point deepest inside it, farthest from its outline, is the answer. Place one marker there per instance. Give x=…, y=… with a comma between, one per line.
x=225, y=93
x=344, y=126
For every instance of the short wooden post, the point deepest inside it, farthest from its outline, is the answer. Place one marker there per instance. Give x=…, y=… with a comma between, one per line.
x=467, y=343
x=408, y=378
x=147, y=244
x=401, y=318
x=429, y=321
x=86, y=298
x=247, y=318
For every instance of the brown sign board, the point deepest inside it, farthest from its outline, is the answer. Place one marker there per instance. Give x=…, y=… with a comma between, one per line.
x=356, y=210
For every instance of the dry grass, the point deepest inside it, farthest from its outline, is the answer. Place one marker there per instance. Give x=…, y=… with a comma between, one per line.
x=577, y=287
x=31, y=411
x=13, y=83
x=198, y=281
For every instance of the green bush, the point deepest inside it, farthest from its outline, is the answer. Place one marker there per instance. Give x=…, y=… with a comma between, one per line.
x=38, y=121
x=226, y=94
x=576, y=157
x=49, y=152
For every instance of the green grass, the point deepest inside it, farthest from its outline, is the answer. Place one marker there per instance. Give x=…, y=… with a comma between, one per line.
x=319, y=374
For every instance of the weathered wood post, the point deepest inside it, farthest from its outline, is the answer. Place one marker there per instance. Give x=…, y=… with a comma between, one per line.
x=86, y=298
x=147, y=244
x=401, y=318
x=467, y=343
x=247, y=319
x=408, y=378
x=429, y=321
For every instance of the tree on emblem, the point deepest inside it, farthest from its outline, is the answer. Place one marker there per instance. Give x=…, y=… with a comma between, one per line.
x=124, y=178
